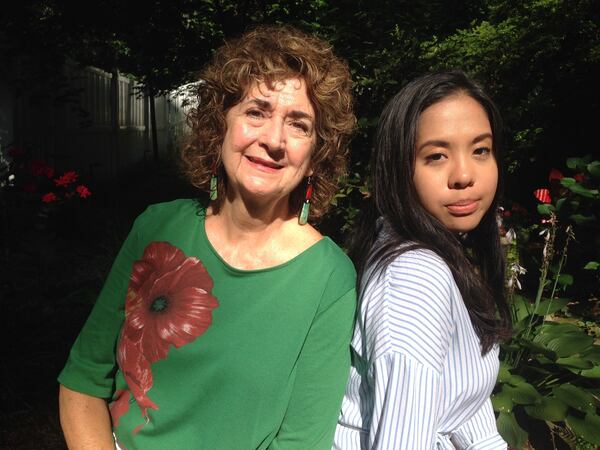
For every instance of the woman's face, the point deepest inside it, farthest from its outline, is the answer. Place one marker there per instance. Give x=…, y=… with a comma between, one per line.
x=270, y=136
x=455, y=170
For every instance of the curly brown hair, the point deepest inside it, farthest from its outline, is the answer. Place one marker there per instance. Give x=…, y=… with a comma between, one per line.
x=269, y=54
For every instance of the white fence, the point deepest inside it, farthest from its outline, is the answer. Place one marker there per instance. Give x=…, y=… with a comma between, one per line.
x=94, y=130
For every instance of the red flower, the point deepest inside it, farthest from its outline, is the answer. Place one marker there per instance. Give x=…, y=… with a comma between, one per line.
x=40, y=168
x=169, y=302
x=119, y=406
x=83, y=191
x=579, y=177
x=555, y=174
x=543, y=195
x=66, y=178
x=49, y=197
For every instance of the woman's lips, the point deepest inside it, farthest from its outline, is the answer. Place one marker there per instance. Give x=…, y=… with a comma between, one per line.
x=462, y=207
x=263, y=164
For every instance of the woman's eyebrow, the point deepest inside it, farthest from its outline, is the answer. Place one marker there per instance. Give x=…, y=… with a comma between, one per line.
x=434, y=143
x=267, y=105
x=482, y=136
x=263, y=104
x=297, y=114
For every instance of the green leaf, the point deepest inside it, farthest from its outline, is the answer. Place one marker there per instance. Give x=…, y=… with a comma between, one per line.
x=592, y=265
x=550, y=306
x=593, y=354
x=521, y=306
x=575, y=361
x=580, y=219
x=583, y=191
x=567, y=182
x=559, y=203
x=587, y=428
x=594, y=168
x=564, y=279
x=559, y=329
x=591, y=373
x=522, y=393
x=504, y=373
x=539, y=347
x=575, y=397
x=502, y=402
x=545, y=209
x=570, y=345
x=574, y=163
x=510, y=430
x=549, y=408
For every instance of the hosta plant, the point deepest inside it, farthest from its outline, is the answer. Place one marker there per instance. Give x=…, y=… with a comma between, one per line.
x=548, y=388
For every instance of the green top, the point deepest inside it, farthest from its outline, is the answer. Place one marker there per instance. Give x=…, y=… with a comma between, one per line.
x=195, y=354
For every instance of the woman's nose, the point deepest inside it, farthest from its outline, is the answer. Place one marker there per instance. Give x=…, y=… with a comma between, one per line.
x=272, y=134
x=462, y=174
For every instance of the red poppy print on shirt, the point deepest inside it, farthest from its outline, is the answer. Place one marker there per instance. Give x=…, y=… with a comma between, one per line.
x=169, y=303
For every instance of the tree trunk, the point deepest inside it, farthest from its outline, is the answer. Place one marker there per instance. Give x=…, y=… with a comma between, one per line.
x=153, y=127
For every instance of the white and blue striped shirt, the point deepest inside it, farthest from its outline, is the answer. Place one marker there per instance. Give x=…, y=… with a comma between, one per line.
x=418, y=379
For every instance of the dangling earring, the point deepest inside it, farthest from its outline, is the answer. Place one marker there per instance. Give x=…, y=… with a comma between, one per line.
x=214, y=182
x=303, y=218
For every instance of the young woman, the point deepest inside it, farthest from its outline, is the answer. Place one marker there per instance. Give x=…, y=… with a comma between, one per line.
x=432, y=308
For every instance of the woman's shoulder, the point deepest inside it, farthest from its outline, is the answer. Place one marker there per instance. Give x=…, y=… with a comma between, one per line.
x=173, y=210
x=418, y=279
x=178, y=206
x=332, y=261
x=420, y=262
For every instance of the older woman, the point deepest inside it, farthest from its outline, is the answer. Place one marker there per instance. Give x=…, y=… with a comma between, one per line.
x=225, y=324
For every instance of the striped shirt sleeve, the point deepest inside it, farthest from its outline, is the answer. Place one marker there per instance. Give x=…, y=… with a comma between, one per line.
x=479, y=432
x=417, y=327
x=404, y=409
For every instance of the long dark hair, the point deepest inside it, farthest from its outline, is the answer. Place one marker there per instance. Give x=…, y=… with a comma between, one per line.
x=475, y=260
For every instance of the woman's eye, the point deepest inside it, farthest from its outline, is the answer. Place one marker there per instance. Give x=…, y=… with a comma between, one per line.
x=255, y=113
x=482, y=151
x=301, y=126
x=434, y=157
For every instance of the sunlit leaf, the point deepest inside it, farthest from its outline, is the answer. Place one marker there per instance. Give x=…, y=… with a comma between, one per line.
x=522, y=393
x=510, y=430
x=591, y=373
x=576, y=362
x=569, y=345
x=575, y=397
x=587, y=428
x=502, y=402
x=549, y=408
x=550, y=306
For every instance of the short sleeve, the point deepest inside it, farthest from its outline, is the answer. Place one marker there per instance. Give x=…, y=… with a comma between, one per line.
x=322, y=372
x=91, y=365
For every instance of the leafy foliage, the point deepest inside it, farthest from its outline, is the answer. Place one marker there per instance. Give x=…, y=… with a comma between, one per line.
x=551, y=367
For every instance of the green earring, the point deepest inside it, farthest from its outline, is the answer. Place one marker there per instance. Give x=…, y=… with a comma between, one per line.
x=214, y=182
x=303, y=218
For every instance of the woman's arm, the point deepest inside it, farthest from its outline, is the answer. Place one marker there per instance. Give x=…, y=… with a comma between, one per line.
x=480, y=431
x=407, y=317
x=321, y=376
x=85, y=421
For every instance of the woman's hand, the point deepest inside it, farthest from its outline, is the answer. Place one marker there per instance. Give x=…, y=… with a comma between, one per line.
x=85, y=421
